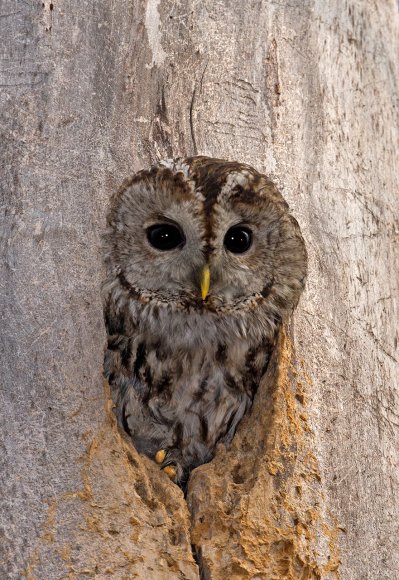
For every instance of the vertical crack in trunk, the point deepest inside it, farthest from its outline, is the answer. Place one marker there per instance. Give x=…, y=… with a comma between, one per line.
x=203, y=575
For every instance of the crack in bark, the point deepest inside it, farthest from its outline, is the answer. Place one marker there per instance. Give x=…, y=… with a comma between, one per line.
x=192, y=122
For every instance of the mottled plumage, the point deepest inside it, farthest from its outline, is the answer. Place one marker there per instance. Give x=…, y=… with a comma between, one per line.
x=184, y=369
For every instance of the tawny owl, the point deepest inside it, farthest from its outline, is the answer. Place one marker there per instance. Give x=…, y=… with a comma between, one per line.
x=203, y=262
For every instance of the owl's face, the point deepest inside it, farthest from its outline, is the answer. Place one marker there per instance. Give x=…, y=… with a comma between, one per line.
x=206, y=234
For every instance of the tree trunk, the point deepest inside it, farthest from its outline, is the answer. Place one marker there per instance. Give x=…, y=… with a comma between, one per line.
x=307, y=92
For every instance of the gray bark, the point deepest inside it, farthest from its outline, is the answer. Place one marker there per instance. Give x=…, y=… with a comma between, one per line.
x=306, y=91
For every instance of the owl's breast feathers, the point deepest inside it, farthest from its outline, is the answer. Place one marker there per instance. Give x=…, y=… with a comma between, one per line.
x=182, y=400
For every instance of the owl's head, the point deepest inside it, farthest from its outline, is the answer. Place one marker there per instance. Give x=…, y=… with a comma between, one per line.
x=205, y=235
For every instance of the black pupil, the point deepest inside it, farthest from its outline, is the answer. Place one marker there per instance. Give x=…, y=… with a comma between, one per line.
x=165, y=236
x=238, y=239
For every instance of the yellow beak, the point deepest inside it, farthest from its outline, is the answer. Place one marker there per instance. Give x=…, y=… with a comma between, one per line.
x=205, y=281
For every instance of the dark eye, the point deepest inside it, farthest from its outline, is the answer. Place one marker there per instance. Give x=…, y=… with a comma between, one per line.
x=165, y=236
x=238, y=239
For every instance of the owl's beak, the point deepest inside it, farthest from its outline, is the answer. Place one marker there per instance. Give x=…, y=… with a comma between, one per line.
x=205, y=281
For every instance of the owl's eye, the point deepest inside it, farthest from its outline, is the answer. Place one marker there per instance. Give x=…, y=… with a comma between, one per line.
x=238, y=239
x=165, y=236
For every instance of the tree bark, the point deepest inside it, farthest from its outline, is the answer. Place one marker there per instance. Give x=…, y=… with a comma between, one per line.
x=307, y=92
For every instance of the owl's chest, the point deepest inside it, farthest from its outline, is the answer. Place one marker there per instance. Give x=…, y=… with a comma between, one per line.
x=185, y=401
x=208, y=382
x=196, y=395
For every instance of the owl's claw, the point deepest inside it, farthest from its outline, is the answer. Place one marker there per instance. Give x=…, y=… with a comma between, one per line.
x=172, y=468
x=160, y=456
x=170, y=471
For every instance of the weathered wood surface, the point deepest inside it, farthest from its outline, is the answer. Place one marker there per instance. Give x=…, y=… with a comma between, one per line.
x=306, y=91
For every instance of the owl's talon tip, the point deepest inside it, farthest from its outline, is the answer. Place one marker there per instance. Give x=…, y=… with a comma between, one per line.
x=170, y=471
x=160, y=456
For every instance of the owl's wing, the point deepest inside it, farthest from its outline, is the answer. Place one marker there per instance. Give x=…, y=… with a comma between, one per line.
x=147, y=430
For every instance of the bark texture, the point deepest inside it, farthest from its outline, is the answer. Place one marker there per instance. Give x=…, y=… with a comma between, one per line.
x=304, y=90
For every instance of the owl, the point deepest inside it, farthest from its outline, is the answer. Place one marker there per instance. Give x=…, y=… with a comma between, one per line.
x=203, y=262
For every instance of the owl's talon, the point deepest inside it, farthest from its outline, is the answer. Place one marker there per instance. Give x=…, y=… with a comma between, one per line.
x=160, y=456
x=170, y=471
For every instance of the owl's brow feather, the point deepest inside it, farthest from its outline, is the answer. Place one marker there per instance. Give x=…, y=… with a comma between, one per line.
x=213, y=176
